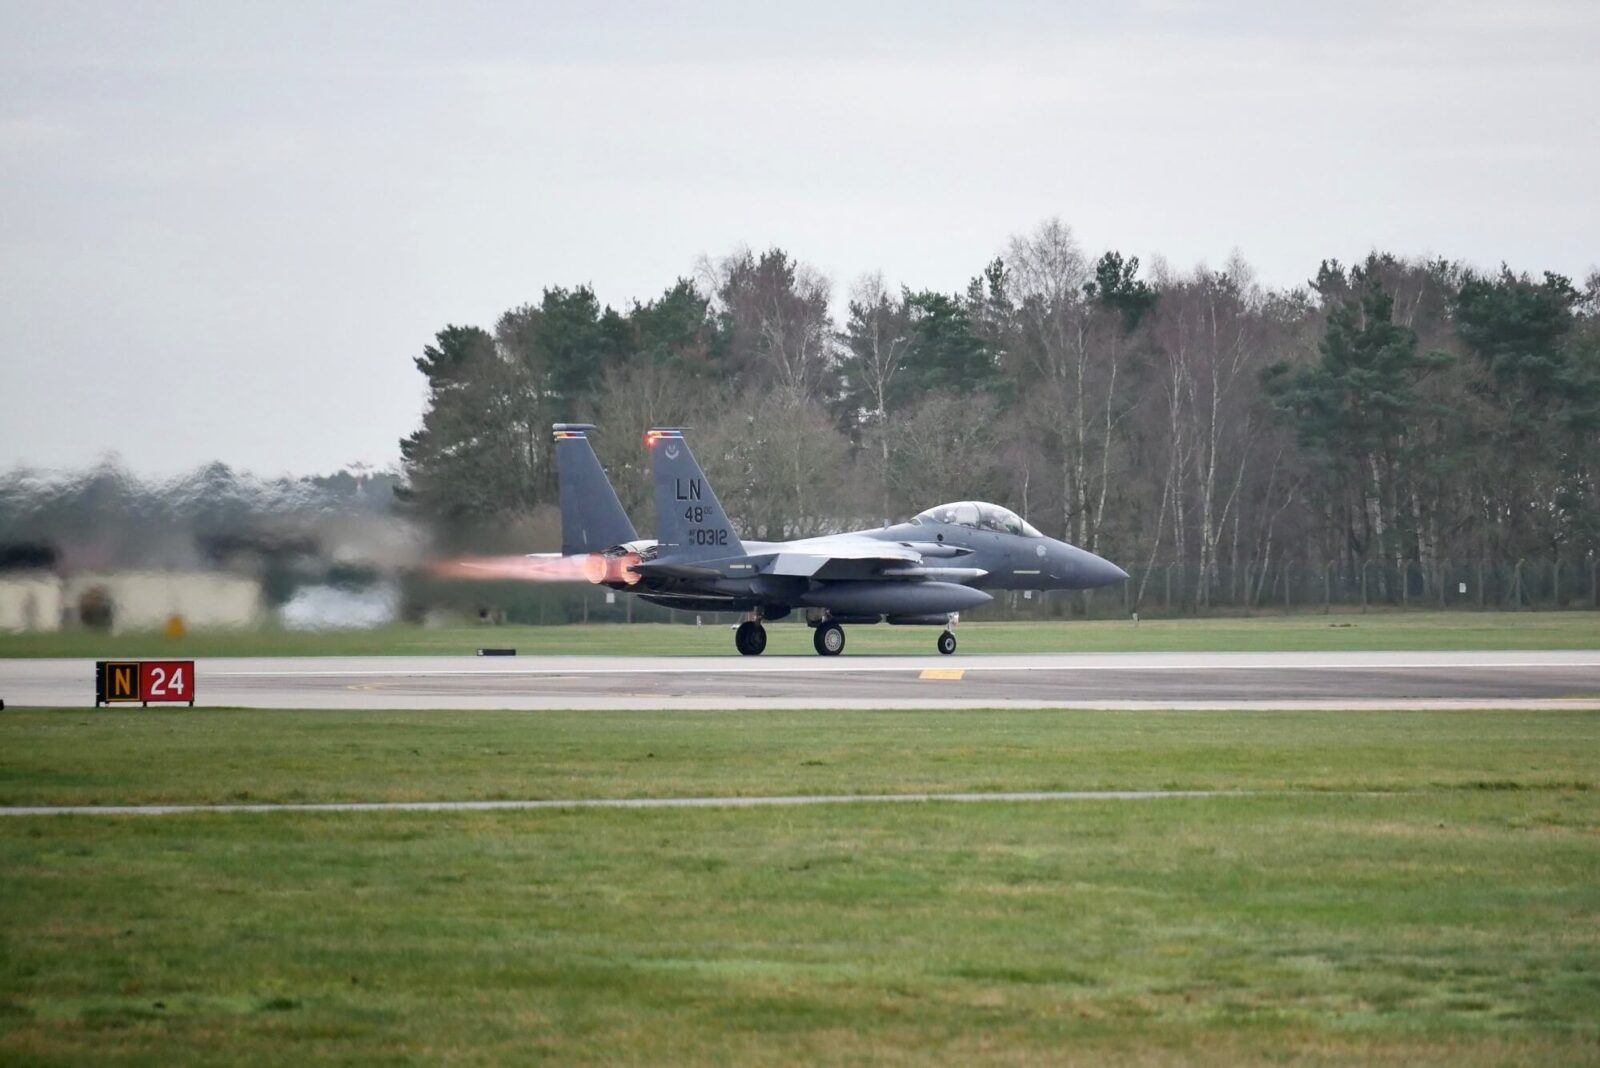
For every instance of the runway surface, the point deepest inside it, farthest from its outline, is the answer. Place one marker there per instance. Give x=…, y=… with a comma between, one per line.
x=614, y=802
x=1520, y=679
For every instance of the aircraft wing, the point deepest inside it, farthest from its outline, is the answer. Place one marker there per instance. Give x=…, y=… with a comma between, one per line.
x=844, y=560
x=845, y=557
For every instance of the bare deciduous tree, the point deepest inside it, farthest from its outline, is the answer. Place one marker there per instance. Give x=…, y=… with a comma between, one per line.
x=780, y=466
x=1073, y=382
x=877, y=339
x=775, y=313
x=943, y=448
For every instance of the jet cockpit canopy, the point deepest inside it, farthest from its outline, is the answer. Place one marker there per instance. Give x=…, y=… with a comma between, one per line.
x=981, y=515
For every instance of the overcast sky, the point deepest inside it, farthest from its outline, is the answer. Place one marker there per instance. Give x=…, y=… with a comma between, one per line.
x=226, y=228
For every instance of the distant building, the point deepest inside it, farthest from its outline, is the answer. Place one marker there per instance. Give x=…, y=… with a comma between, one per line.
x=30, y=588
x=145, y=600
x=30, y=601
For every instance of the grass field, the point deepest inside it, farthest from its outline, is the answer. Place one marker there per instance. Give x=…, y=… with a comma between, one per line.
x=1350, y=631
x=107, y=757
x=1422, y=888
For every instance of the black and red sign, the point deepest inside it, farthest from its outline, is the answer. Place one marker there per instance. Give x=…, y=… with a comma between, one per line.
x=143, y=682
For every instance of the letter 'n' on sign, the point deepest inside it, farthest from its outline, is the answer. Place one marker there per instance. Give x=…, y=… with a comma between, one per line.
x=117, y=682
x=125, y=682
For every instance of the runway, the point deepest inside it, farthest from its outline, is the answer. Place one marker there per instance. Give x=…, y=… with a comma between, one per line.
x=1396, y=680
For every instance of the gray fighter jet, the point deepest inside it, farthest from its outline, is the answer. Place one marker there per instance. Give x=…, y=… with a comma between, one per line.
x=924, y=571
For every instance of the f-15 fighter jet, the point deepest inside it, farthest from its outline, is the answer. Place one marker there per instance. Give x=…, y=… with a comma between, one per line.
x=924, y=571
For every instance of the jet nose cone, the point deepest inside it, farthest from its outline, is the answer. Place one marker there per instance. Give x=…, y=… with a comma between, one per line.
x=1086, y=571
x=1102, y=572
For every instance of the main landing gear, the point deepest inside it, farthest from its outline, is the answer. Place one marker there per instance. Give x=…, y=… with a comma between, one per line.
x=828, y=638
x=751, y=638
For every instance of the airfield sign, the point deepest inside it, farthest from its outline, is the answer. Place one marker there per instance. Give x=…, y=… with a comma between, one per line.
x=143, y=682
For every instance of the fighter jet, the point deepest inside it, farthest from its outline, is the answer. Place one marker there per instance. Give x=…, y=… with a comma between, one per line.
x=921, y=572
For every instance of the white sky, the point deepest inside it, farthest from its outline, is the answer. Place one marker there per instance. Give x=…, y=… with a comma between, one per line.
x=225, y=229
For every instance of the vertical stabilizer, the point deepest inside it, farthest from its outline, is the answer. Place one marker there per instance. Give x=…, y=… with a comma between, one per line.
x=690, y=522
x=592, y=519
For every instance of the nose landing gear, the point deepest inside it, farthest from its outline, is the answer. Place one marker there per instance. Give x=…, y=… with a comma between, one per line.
x=947, y=643
x=750, y=638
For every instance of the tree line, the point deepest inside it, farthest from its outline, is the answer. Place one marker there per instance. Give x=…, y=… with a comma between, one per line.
x=1408, y=415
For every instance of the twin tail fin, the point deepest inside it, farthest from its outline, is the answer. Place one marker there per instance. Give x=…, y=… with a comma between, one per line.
x=690, y=522
x=592, y=519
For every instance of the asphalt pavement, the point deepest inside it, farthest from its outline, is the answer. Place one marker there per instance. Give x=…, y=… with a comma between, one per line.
x=1343, y=680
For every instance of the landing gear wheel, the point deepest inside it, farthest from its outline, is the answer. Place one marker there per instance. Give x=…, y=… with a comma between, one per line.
x=829, y=639
x=750, y=639
x=947, y=643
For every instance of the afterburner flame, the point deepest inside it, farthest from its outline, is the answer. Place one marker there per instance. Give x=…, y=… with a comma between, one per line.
x=613, y=570
x=517, y=568
x=592, y=567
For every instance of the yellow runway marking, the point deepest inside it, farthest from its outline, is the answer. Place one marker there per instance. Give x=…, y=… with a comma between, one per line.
x=943, y=673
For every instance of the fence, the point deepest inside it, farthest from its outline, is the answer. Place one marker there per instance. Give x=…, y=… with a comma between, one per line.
x=1176, y=589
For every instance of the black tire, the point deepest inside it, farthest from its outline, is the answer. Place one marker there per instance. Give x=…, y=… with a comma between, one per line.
x=829, y=639
x=750, y=638
x=947, y=643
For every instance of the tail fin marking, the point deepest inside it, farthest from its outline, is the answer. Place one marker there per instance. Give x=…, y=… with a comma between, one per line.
x=690, y=522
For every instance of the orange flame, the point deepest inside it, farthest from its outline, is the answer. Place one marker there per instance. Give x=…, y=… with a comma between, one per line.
x=613, y=570
x=592, y=567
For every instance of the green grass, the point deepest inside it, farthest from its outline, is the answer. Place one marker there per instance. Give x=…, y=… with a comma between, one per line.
x=1351, y=631
x=1450, y=929
x=127, y=756
x=1453, y=920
